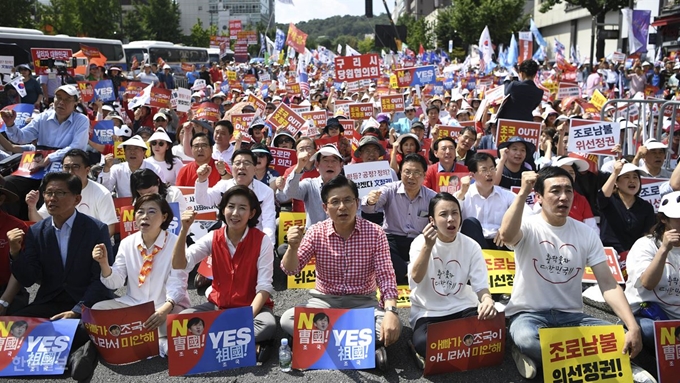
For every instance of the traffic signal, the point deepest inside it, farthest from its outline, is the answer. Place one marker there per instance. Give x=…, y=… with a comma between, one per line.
x=369, y=8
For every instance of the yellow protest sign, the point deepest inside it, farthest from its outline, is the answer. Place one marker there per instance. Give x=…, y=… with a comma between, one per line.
x=393, y=81
x=588, y=353
x=305, y=279
x=231, y=75
x=598, y=99
x=404, y=298
x=501, y=268
x=286, y=220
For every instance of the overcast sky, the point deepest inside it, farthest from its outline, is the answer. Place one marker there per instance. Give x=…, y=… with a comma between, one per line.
x=304, y=10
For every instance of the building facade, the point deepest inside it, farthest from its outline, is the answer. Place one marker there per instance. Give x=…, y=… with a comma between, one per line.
x=667, y=25
x=219, y=12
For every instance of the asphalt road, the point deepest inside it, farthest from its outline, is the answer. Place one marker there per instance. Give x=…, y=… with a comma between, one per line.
x=401, y=365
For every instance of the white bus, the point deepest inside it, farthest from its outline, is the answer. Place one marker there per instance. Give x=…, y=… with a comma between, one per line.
x=33, y=38
x=214, y=54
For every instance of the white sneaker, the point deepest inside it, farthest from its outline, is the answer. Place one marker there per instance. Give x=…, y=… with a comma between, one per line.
x=163, y=347
x=640, y=375
x=525, y=366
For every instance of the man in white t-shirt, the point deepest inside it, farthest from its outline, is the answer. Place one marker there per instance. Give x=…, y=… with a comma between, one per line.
x=551, y=253
x=96, y=201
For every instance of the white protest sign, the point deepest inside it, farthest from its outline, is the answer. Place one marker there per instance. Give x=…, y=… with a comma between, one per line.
x=6, y=64
x=495, y=95
x=199, y=84
x=567, y=89
x=206, y=215
x=369, y=175
x=590, y=136
x=649, y=190
x=180, y=100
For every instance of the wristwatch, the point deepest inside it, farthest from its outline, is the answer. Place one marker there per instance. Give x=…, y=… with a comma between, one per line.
x=4, y=303
x=392, y=309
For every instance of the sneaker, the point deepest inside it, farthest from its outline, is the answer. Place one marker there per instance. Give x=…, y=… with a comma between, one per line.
x=525, y=366
x=83, y=362
x=381, y=358
x=640, y=375
x=420, y=361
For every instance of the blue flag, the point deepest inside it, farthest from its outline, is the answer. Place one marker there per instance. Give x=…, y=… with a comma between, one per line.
x=537, y=34
x=279, y=40
x=513, y=53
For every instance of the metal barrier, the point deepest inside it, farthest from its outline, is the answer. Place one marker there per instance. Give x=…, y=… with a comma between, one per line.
x=673, y=114
x=631, y=109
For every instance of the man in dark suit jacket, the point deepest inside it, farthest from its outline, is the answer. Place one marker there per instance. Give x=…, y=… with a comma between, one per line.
x=57, y=254
x=524, y=95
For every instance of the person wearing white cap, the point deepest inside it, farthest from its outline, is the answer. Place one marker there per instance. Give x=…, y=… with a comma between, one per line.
x=650, y=157
x=329, y=163
x=117, y=177
x=653, y=263
x=60, y=129
x=160, y=120
x=168, y=77
x=147, y=77
x=624, y=216
x=162, y=157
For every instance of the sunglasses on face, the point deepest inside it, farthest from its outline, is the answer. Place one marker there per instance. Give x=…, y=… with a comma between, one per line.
x=157, y=143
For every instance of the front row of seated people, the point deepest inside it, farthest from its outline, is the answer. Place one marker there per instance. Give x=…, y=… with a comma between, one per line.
x=70, y=255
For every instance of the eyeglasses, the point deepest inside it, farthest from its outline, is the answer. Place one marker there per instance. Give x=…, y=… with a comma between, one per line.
x=68, y=168
x=200, y=146
x=486, y=171
x=52, y=194
x=238, y=164
x=349, y=201
x=409, y=173
x=157, y=143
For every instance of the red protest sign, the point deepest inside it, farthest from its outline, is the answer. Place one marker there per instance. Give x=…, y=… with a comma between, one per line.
x=215, y=41
x=318, y=117
x=353, y=68
x=160, y=98
x=207, y=111
x=296, y=39
x=127, y=221
x=667, y=346
x=464, y=344
x=86, y=89
x=348, y=127
x=134, y=88
x=394, y=103
x=282, y=159
x=41, y=55
x=241, y=123
x=568, y=89
x=449, y=131
x=588, y=107
x=361, y=111
x=529, y=131
x=285, y=117
x=119, y=334
x=320, y=142
x=90, y=52
x=186, y=67
x=234, y=28
x=293, y=88
x=258, y=103
x=612, y=262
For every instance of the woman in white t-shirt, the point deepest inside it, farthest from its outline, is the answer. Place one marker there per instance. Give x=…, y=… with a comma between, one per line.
x=442, y=263
x=652, y=288
x=161, y=148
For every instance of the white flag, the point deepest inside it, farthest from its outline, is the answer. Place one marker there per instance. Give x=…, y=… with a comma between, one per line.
x=18, y=84
x=349, y=51
x=142, y=98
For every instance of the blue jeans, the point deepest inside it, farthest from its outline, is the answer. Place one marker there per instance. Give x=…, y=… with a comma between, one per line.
x=524, y=327
x=647, y=329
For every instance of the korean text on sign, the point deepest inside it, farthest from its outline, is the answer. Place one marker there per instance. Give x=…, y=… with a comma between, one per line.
x=361, y=111
x=597, y=137
x=585, y=353
x=287, y=118
x=529, y=131
x=501, y=269
x=667, y=344
x=353, y=68
x=394, y=103
x=369, y=175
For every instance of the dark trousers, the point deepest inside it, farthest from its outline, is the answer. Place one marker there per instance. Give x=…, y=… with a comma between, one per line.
x=19, y=302
x=399, y=252
x=21, y=186
x=61, y=303
x=376, y=218
x=420, y=329
x=473, y=229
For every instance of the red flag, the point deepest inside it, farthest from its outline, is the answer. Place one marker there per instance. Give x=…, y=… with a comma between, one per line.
x=135, y=63
x=161, y=62
x=421, y=51
x=296, y=39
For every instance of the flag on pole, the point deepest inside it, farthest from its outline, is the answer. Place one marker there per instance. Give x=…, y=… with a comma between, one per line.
x=539, y=55
x=638, y=28
x=574, y=56
x=279, y=40
x=485, y=51
x=537, y=34
x=349, y=51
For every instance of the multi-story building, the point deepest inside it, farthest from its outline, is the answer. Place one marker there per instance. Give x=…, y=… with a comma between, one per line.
x=219, y=12
x=667, y=25
x=417, y=8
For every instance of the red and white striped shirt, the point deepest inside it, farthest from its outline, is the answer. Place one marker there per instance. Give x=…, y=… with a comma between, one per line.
x=351, y=266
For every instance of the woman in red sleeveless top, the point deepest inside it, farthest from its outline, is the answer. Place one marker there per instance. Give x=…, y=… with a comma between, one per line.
x=242, y=263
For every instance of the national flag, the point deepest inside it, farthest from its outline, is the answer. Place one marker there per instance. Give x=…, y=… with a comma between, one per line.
x=18, y=84
x=421, y=50
x=349, y=51
x=485, y=50
x=537, y=34
x=303, y=79
x=143, y=98
x=513, y=53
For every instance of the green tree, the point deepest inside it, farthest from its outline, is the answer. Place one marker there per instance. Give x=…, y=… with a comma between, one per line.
x=62, y=15
x=132, y=27
x=418, y=32
x=466, y=19
x=159, y=19
x=597, y=8
x=99, y=18
x=17, y=13
x=366, y=45
x=199, y=37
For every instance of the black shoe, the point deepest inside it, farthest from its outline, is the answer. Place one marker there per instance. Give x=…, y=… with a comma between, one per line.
x=201, y=284
x=83, y=362
x=419, y=360
x=264, y=351
x=381, y=359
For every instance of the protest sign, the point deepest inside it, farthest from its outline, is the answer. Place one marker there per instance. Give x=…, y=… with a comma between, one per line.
x=319, y=117
x=591, y=353
x=86, y=89
x=128, y=225
x=598, y=100
x=449, y=131
x=464, y=344
x=180, y=99
x=305, y=279
x=210, y=341
x=529, y=131
x=35, y=346
x=282, y=159
x=215, y=41
x=29, y=165
x=590, y=136
x=612, y=262
x=568, y=89
x=649, y=190
x=207, y=111
x=206, y=216
x=102, y=132
x=369, y=175
x=495, y=95
x=531, y=198
x=348, y=126
x=392, y=104
x=6, y=64
x=300, y=109
x=353, y=68
x=103, y=90
x=326, y=140
x=241, y=123
x=23, y=111
x=449, y=182
x=667, y=347
x=234, y=28
x=500, y=266
x=341, y=104
x=42, y=56
x=119, y=203
x=287, y=118
x=587, y=107
x=293, y=88
x=360, y=111
x=296, y=39
x=618, y=56
x=119, y=334
x=288, y=219
x=134, y=88
x=421, y=75
x=258, y=103
x=186, y=67
x=403, y=298
x=335, y=339
x=90, y=52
